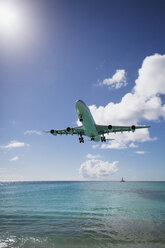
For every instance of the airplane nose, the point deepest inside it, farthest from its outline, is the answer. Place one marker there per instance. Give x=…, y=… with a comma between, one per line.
x=79, y=105
x=80, y=102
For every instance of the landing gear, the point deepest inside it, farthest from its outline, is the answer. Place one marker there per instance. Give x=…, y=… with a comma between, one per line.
x=81, y=119
x=92, y=139
x=81, y=140
x=103, y=139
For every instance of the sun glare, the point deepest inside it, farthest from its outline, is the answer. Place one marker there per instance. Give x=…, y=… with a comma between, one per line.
x=19, y=26
x=10, y=18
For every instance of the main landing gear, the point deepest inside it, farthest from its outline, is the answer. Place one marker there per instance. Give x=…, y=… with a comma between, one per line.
x=103, y=139
x=81, y=140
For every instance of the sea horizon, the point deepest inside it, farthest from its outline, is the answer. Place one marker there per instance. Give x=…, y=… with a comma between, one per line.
x=81, y=181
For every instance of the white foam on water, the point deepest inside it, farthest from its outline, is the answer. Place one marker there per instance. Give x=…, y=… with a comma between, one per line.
x=6, y=242
x=3, y=244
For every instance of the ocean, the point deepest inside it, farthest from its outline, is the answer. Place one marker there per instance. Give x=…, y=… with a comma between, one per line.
x=82, y=214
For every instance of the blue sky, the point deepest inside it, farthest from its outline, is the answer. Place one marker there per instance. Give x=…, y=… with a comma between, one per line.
x=55, y=52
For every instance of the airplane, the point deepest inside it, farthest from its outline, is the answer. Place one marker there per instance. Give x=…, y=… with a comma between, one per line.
x=90, y=128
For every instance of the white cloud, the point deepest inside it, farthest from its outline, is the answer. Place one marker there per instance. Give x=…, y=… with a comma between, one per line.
x=95, y=146
x=133, y=145
x=151, y=80
x=143, y=103
x=96, y=169
x=117, y=81
x=32, y=132
x=90, y=156
x=114, y=145
x=140, y=152
x=14, y=159
x=14, y=144
x=122, y=140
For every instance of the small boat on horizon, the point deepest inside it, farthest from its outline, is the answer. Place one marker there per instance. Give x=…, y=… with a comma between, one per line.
x=122, y=180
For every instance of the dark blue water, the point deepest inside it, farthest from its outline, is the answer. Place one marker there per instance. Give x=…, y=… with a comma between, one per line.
x=82, y=214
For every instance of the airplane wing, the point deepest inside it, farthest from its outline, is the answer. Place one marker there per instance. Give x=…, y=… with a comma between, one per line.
x=114, y=129
x=68, y=130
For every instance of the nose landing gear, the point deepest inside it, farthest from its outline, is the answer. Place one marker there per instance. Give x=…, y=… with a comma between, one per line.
x=80, y=118
x=103, y=139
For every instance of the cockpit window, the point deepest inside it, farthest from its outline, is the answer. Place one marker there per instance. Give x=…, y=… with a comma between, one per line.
x=81, y=101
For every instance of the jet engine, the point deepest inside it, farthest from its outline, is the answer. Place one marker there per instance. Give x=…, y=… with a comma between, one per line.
x=133, y=128
x=68, y=129
x=54, y=132
x=109, y=127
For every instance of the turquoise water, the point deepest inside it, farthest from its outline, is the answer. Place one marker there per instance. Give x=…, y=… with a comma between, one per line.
x=82, y=214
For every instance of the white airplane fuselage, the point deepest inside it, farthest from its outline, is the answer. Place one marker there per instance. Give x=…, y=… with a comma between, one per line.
x=87, y=120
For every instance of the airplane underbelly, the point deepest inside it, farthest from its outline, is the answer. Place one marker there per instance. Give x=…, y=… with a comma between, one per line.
x=89, y=127
x=88, y=122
